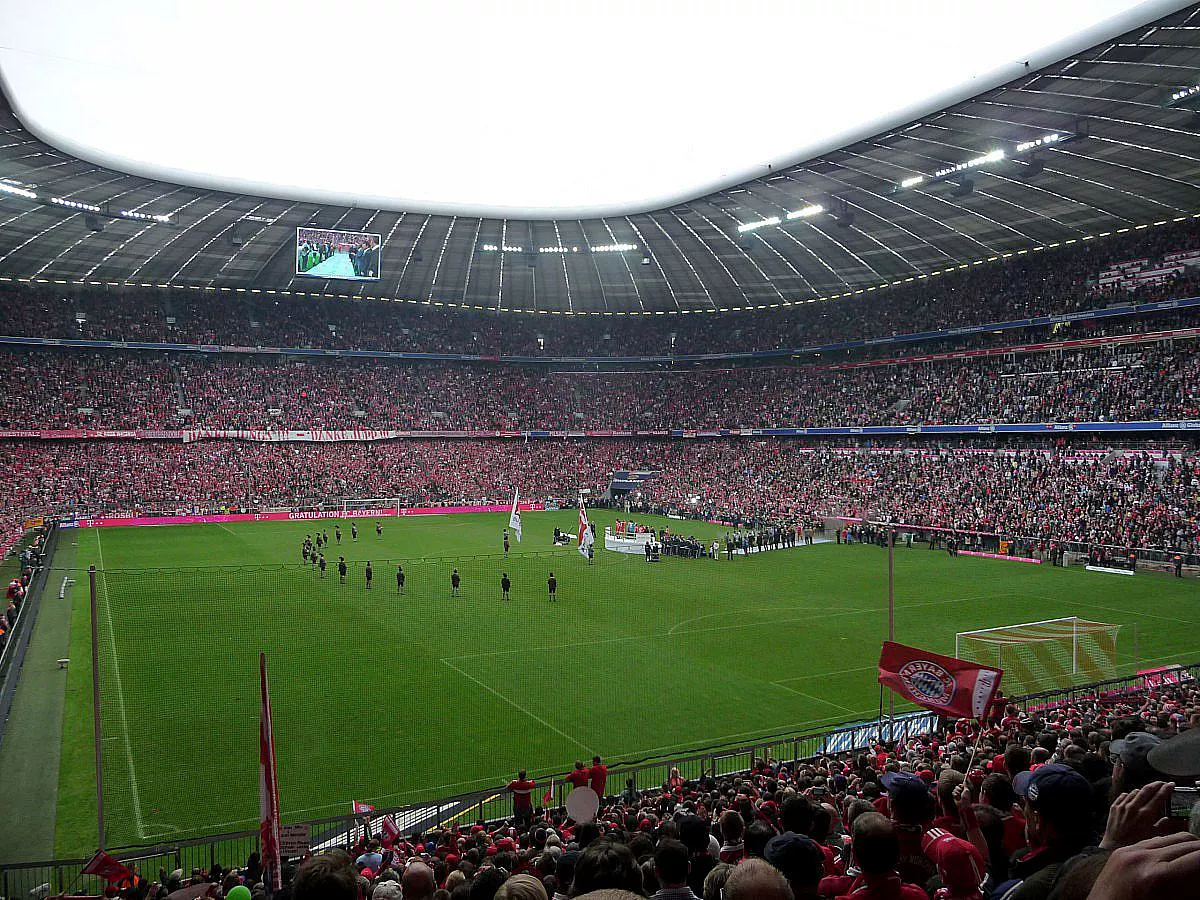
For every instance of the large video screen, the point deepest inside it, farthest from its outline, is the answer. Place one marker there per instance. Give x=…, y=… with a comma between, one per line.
x=324, y=253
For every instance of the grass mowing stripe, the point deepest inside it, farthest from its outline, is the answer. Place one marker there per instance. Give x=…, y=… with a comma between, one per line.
x=112, y=644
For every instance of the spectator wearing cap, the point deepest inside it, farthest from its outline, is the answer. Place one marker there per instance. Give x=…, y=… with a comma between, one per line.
x=911, y=807
x=960, y=865
x=671, y=867
x=876, y=849
x=1131, y=764
x=1057, y=803
x=756, y=879
x=800, y=860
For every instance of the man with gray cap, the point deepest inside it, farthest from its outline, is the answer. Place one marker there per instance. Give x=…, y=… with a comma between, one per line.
x=1130, y=759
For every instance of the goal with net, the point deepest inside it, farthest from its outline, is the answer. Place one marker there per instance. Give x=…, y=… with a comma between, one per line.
x=1042, y=656
x=373, y=506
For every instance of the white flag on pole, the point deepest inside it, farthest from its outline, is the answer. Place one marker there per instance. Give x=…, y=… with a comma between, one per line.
x=514, y=517
x=585, y=538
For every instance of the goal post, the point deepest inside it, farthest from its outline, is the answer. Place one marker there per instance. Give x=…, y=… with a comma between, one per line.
x=1040, y=656
x=369, y=506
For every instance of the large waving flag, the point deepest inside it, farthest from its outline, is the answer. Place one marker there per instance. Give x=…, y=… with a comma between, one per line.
x=514, y=517
x=268, y=789
x=584, y=539
x=107, y=867
x=360, y=809
x=944, y=684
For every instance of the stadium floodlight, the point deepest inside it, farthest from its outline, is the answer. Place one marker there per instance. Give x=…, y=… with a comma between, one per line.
x=505, y=248
x=754, y=226
x=912, y=182
x=6, y=188
x=1185, y=97
x=811, y=210
x=133, y=214
x=75, y=204
x=613, y=248
x=1044, y=141
x=993, y=156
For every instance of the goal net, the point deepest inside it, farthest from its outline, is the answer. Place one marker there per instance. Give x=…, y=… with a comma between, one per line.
x=1042, y=656
x=371, y=506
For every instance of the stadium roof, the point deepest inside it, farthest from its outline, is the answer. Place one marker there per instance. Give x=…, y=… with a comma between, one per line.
x=1117, y=151
x=508, y=110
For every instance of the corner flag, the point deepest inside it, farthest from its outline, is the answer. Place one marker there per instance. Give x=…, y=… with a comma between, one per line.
x=585, y=538
x=514, y=517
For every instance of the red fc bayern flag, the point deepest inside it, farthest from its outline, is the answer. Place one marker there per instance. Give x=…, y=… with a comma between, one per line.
x=361, y=809
x=268, y=789
x=107, y=867
x=943, y=684
x=390, y=831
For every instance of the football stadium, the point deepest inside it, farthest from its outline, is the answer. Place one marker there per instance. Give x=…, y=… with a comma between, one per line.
x=549, y=452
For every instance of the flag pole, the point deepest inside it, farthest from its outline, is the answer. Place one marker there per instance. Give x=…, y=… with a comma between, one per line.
x=891, y=619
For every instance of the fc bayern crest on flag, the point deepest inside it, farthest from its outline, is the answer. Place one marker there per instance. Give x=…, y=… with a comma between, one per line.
x=928, y=682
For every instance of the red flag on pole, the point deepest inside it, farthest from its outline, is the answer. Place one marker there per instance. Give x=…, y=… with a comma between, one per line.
x=268, y=789
x=548, y=797
x=359, y=808
x=943, y=684
x=390, y=831
x=107, y=867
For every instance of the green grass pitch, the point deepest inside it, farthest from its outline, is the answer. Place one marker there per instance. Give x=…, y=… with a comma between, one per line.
x=392, y=699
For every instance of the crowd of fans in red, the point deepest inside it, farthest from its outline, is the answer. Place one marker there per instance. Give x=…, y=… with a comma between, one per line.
x=1124, y=500
x=1055, y=281
x=1065, y=800
x=1119, y=382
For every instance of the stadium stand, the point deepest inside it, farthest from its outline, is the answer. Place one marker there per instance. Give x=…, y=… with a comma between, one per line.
x=1064, y=280
x=1062, y=790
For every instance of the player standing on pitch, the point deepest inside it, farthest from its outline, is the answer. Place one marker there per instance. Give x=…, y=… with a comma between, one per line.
x=337, y=533
x=552, y=585
x=321, y=565
x=378, y=530
x=354, y=531
x=399, y=579
x=370, y=573
x=505, y=585
x=506, y=543
x=342, y=569
x=455, y=581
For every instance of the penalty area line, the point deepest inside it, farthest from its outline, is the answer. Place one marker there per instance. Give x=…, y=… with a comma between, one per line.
x=517, y=706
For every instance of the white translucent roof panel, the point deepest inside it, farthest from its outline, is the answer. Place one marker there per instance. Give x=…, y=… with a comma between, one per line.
x=517, y=108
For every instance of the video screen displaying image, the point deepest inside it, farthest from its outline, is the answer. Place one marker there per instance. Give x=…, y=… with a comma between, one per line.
x=323, y=253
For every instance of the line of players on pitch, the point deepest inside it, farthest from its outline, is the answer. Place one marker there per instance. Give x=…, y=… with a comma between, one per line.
x=313, y=553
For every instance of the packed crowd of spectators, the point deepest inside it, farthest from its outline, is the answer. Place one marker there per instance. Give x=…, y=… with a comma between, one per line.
x=1054, y=281
x=70, y=389
x=1063, y=800
x=1120, y=499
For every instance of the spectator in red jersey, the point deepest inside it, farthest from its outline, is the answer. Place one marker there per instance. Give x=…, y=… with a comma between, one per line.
x=876, y=850
x=599, y=776
x=522, y=790
x=911, y=807
x=578, y=777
